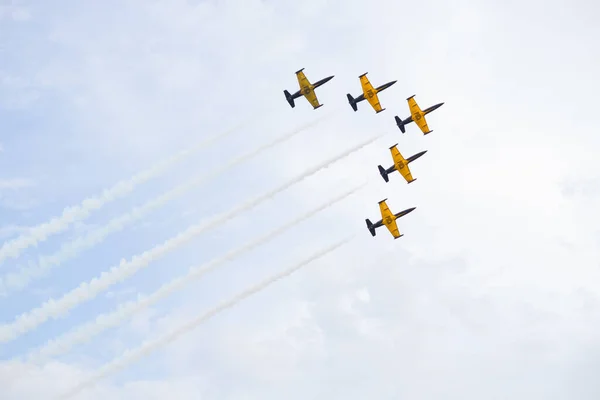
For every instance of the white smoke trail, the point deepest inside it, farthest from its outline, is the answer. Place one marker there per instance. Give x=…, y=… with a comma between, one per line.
x=86, y=291
x=148, y=347
x=19, y=280
x=125, y=311
x=13, y=248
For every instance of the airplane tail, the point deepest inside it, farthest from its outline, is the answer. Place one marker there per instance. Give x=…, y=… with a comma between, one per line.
x=352, y=102
x=370, y=226
x=320, y=105
x=400, y=124
x=289, y=98
x=383, y=173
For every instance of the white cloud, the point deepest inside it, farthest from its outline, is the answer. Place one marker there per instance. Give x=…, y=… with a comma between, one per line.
x=363, y=295
x=11, y=230
x=15, y=183
x=492, y=289
x=14, y=12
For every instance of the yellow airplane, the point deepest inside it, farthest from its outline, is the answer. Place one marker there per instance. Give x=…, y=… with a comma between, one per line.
x=400, y=165
x=417, y=115
x=388, y=219
x=368, y=93
x=307, y=90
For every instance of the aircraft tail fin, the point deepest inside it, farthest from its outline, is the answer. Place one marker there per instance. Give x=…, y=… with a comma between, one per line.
x=352, y=102
x=383, y=173
x=371, y=227
x=400, y=124
x=289, y=98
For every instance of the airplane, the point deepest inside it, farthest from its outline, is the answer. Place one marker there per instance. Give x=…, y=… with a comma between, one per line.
x=368, y=93
x=307, y=90
x=400, y=165
x=388, y=219
x=417, y=115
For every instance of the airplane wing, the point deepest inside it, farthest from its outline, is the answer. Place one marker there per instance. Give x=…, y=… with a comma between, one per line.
x=396, y=154
x=370, y=93
x=311, y=96
x=418, y=116
x=388, y=219
x=406, y=174
x=302, y=79
x=401, y=164
x=306, y=89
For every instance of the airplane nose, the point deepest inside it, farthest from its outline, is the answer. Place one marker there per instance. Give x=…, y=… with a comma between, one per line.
x=385, y=86
x=413, y=158
x=411, y=210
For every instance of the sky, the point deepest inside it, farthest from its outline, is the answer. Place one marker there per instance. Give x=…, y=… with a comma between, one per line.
x=492, y=292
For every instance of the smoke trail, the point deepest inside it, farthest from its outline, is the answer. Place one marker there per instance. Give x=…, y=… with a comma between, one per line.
x=148, y=347
x=125, y=311
x=13, y=248
x=19, y=280
x=86, y=291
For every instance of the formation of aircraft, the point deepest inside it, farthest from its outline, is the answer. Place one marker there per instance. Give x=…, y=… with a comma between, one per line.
x=401, y=164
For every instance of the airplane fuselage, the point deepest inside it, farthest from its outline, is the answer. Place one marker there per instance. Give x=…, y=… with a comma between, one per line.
x=369, y=93
x=416, y=116
x=322, y=81
x=432, y=108
x=414, y=157
x=307, y=89
x=385, y=86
